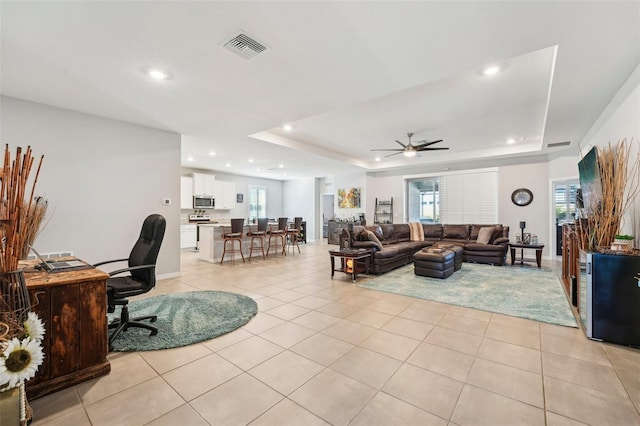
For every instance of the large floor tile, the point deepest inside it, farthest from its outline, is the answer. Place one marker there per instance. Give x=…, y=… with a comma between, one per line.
x=456, y=340
x=316, y=320
x=168, y=359
x=514, y=335
x=287, y=334
x=507, y=381
x=201, y=376
x=250, y=352
x=349, y=331
x=288, y=413
x=127, y=370
x=371, y=318
x=237, y=402
x=385, y=410
x=479, y=407
x=123, y=408
x=408, y=328
x=368, y=367
x=578, y=348
x=464, y=324
x=286, y=371
x=510, y=354
x=184, y=415
x=588, y=405
x=416, y=386
x=333, y=397
x=443, y=361
x=322, y=349
x=390, y=344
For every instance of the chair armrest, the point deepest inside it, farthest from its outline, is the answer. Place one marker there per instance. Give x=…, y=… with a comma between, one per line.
x=110, y=261
x=132, y=268
x=500, y=241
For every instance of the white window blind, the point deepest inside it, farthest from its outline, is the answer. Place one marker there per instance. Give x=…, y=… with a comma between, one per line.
x=469, y=198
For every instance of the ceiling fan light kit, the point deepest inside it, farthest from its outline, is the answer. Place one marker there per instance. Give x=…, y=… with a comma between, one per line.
x=412, y=149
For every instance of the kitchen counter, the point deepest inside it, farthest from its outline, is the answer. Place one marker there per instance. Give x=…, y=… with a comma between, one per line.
x=211, y=244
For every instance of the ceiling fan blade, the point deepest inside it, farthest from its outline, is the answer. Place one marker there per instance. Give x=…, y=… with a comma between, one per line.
x=395, y=153
x=426, y=143
x=424, y=148
x=388, y=149
x=403, y=145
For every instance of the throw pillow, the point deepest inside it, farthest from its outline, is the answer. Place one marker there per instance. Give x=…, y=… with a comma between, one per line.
x=374, y=239
x=484, y=235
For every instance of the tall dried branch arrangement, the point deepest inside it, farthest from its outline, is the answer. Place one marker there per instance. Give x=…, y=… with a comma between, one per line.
x=17, y=213
x=620, y=181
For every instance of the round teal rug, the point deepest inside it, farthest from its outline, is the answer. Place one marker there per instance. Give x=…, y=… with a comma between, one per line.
x=184, y=319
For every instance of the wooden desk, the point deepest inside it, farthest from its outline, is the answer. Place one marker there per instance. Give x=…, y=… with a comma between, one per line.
x=73, y=307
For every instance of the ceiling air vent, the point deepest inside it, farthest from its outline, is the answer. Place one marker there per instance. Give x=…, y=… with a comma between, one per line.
x=558, y=144
x=244, y=46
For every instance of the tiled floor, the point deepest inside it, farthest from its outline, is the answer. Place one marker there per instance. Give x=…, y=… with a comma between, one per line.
x=324, y=351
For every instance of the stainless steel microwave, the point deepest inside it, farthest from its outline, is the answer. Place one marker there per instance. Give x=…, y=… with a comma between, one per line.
x=204, y=202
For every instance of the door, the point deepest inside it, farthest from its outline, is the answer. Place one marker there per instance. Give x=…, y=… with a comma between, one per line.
x=327, y=212
x=564, y=206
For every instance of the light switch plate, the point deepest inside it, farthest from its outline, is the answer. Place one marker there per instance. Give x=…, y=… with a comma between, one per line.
x=166, y=201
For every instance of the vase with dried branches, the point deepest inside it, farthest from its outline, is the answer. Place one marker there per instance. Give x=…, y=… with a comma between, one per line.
x=620, y=182
x=21, y=331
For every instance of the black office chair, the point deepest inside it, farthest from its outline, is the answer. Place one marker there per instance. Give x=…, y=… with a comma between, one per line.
x=142, y=278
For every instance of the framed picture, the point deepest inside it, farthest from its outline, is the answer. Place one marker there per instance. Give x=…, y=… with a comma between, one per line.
x=349, y=198
x=239, y=198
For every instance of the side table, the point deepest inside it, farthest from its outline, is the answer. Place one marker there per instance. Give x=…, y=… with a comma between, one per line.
x=354, y=256
x=537, y=247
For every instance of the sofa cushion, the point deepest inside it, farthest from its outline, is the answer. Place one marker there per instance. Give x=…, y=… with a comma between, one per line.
x=455, y=232
x=372, y=237
x=388, y=232
x=376, y=229
x=485, y=236
x=432, y=231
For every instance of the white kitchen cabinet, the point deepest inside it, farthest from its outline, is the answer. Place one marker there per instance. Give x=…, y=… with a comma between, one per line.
x=188, y=236
x=186, y=192
x=225, y=195
x=204, y=184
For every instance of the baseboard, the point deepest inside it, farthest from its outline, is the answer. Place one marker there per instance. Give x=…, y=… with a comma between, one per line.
x=168, y=276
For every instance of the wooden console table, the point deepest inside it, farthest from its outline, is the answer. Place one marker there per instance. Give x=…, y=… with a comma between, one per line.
x=73, y=307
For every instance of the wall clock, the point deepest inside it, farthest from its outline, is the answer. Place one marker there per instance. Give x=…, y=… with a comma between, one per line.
x=522, y=197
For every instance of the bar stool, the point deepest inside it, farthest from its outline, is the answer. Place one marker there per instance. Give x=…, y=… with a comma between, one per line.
x=293, y=234
x=235, y=235
x=279, y=234
x=259, y=235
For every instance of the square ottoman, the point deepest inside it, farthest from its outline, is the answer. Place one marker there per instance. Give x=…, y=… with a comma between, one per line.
x=429, y=263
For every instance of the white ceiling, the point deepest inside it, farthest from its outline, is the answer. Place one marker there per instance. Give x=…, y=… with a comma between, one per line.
x=348, y=76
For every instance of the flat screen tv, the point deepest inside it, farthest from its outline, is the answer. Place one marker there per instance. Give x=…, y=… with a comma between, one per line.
x=590, y=182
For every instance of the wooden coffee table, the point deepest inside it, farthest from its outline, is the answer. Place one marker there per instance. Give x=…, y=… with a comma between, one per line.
x=354, y=256
x=537, y=247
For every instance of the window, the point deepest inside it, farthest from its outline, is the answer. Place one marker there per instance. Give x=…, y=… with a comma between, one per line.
x=459, y=197
x=257, y=202
x=565, y=200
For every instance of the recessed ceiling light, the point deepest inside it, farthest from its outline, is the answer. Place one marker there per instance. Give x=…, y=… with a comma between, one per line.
x=491, y=70
x=511, y=141
x=281, y=166
x=287, y=127
x=190, y=158
x=378, y=158
x=157, y=74
x=251, y=160
x=212, y=153
x=228, y=164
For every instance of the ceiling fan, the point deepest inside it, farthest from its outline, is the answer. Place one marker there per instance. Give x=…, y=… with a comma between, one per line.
x=412, y=149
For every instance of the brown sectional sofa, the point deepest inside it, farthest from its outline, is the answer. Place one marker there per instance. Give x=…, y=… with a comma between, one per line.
x=397, y=248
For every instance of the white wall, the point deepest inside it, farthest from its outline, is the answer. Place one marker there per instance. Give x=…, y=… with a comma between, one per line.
x=385, y=188
x=620, y=120
x=300, y=201
x=101, y=178
x=534, y=177
x=350, y=180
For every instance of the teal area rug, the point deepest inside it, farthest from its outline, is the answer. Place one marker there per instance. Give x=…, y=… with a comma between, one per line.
x=184, y=319
x=530, y=293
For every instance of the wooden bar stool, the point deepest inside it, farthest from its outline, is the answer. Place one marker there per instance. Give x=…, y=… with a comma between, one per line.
x=230, y=237
x=293, y=234
x=259, y=234
x=279, y=234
